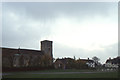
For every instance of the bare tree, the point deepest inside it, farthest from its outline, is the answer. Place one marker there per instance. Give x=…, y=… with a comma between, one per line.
x=30, y=61
x=11, y=60
x=96, y=59
x=21, y=61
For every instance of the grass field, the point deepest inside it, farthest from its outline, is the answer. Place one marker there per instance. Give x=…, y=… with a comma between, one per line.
x=66, y=75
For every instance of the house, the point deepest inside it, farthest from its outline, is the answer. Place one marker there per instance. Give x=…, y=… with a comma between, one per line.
x=59, y=64
x=69, y=63
x=90, y=63
x=113, y=63
x=64, y=63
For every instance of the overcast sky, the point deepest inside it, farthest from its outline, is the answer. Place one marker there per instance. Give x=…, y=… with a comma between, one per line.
x=77, y=29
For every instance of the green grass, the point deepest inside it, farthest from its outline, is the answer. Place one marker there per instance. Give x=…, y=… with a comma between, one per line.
x=55, y=70
x=80, y=75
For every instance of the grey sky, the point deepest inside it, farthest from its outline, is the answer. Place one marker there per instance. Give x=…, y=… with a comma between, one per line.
x=77, y=29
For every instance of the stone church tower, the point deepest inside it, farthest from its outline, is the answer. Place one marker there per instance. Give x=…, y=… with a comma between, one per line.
x=46, y=47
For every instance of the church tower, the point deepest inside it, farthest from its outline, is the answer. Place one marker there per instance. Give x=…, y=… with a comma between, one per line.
x=46, y=47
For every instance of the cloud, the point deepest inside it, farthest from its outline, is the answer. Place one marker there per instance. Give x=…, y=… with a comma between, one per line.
x=78, y=29
x=66, y=51
x=43, y=11
x=88, y=34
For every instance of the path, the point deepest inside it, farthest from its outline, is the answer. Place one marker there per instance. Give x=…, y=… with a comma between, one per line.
x=49, y=73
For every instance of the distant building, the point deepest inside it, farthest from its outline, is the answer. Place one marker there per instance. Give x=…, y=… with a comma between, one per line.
x=69, y=63
x=90, y=63
x=26, y=57
x=60, y=64
x=113, y=63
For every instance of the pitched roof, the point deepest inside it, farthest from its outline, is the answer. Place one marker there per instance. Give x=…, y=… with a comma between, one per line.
x=64, y=60
x=7, y=51
x=114, y=60
x=87, y=60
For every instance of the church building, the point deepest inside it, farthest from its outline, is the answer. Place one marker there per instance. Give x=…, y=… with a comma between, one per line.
x=27, y=57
